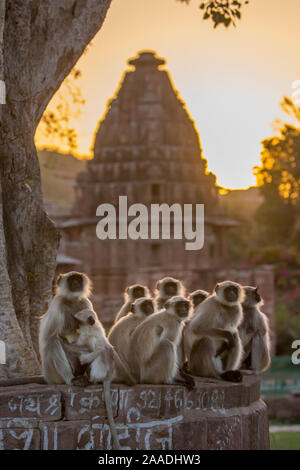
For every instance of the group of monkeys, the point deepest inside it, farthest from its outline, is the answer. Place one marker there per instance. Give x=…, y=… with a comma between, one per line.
x=161, y=340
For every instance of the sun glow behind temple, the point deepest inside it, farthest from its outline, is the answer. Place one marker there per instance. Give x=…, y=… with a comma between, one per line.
x=232, y=81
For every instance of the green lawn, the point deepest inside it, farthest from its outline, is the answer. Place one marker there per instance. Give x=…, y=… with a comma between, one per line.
x=285, y=440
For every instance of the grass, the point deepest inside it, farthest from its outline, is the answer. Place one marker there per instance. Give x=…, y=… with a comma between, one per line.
x=285, y=441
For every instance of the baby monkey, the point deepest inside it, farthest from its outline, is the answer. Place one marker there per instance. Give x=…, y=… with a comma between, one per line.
x=102, y=360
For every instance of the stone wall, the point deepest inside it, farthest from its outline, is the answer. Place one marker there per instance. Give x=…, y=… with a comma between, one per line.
x=285, y=407
x=216, y=415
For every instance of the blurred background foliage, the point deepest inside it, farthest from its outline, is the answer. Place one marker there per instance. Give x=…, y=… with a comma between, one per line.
x=225, y=12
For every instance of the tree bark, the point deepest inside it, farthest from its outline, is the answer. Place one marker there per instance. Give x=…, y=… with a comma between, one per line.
x=19, y=357
x=42, y=42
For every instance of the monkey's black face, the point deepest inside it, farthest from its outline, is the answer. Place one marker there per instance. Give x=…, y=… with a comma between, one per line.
x=198, y=299
x=91, y=321
x=182, y=308
x=252, y=297
x=231, y=293
x=257, y=297
x=138, y=292
x=147, y=307
x=75, y=282
x=170, y=288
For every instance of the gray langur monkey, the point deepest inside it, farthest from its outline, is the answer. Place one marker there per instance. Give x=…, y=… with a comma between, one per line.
x=154, y=344
x=254, y=332
x=60, y=362
x=121, y=332
x=167, y=288
x=197, y=297
x=132, y=293
x=211, y=339
x=102, y=360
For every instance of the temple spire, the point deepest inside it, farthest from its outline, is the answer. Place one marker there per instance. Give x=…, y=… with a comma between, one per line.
x=146, y=59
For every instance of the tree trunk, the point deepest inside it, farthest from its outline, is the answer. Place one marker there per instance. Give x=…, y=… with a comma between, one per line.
x=42, y=42
x=19, y=357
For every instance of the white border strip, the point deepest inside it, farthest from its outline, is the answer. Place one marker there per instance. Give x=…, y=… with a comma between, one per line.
x=2, y=92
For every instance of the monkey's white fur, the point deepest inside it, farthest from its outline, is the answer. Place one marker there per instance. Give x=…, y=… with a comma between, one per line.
x=220, y=293
x=93, y=336
x=62, y=287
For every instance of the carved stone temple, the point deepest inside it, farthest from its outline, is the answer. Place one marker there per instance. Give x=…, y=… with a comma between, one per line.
x=148, y=149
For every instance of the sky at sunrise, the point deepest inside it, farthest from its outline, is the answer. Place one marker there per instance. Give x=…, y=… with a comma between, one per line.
x=232, y=81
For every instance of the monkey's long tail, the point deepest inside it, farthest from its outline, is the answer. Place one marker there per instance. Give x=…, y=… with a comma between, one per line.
x=123, y=369
x=111, y=421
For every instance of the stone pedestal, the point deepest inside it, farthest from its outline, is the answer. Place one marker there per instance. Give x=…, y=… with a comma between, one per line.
x=216, y=415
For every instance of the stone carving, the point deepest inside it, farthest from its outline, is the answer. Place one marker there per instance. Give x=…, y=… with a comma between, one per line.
x=216, y=415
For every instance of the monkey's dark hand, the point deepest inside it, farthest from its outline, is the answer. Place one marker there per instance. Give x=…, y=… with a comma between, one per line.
x=228, y=344
x=185, y=368
x=188, y=381
x=231, y=338
x=80, y=381
x=232, y=376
